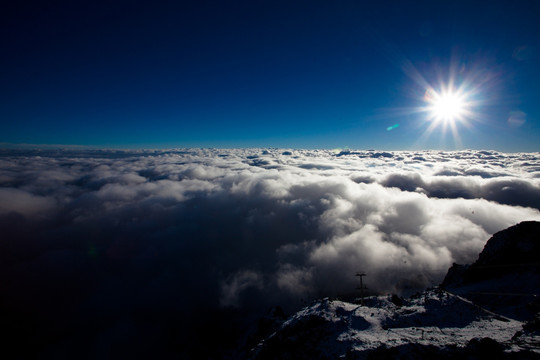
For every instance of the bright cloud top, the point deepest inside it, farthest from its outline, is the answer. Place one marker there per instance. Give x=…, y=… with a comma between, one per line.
x=233, y=228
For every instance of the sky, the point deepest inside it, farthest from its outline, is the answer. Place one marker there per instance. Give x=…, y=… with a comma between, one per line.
x=302, y=74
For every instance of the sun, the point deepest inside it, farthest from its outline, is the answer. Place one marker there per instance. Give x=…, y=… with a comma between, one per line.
x=447, y=102
x=448, y=106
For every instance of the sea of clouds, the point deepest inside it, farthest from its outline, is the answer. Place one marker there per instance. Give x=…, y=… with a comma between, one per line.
x=104, y=246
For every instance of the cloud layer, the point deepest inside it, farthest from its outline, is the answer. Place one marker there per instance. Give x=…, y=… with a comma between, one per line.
x=191, y=232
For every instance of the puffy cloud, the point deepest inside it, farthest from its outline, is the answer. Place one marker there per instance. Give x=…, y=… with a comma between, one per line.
x=294, y=280
x=234, y=285
x=199, y=232
x=25, y=203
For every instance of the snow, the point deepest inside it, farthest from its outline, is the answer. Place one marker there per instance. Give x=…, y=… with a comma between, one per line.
x=434, y=317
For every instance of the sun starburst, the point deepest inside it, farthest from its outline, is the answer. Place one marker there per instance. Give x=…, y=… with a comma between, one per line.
x=448, y=108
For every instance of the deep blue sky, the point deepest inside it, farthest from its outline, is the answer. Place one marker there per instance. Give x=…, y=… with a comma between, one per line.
x=300, y=74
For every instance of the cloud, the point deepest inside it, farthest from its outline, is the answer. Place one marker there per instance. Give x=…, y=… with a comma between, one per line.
x=234, y=285
x=202, y=232
x=24, y=203
x=507, y=190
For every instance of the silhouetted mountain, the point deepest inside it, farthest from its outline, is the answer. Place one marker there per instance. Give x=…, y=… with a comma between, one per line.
x=506, y=276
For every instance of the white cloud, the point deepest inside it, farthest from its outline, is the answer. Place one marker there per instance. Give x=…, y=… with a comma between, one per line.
x=204, y=228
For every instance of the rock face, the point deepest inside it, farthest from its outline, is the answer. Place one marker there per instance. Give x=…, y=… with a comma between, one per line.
x=506, y=276
x=517, y=245
x=514, y=250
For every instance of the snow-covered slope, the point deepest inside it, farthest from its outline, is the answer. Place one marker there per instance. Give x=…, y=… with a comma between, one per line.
x=434, y=321
x=440, y=322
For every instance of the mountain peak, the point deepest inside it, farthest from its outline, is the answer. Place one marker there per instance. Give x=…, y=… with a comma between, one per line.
x=518, y=245
x=454, y=320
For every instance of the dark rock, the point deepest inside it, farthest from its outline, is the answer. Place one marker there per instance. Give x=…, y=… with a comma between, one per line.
x=396, y=300
x=454, y=276
x=298, y=341
x=513, y=250
x=505, y=277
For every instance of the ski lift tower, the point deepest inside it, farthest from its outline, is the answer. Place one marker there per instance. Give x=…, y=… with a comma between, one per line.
x=361, y=286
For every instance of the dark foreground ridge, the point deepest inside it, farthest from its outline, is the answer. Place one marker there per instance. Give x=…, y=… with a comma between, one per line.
x=489, y=309
x=506, y=276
